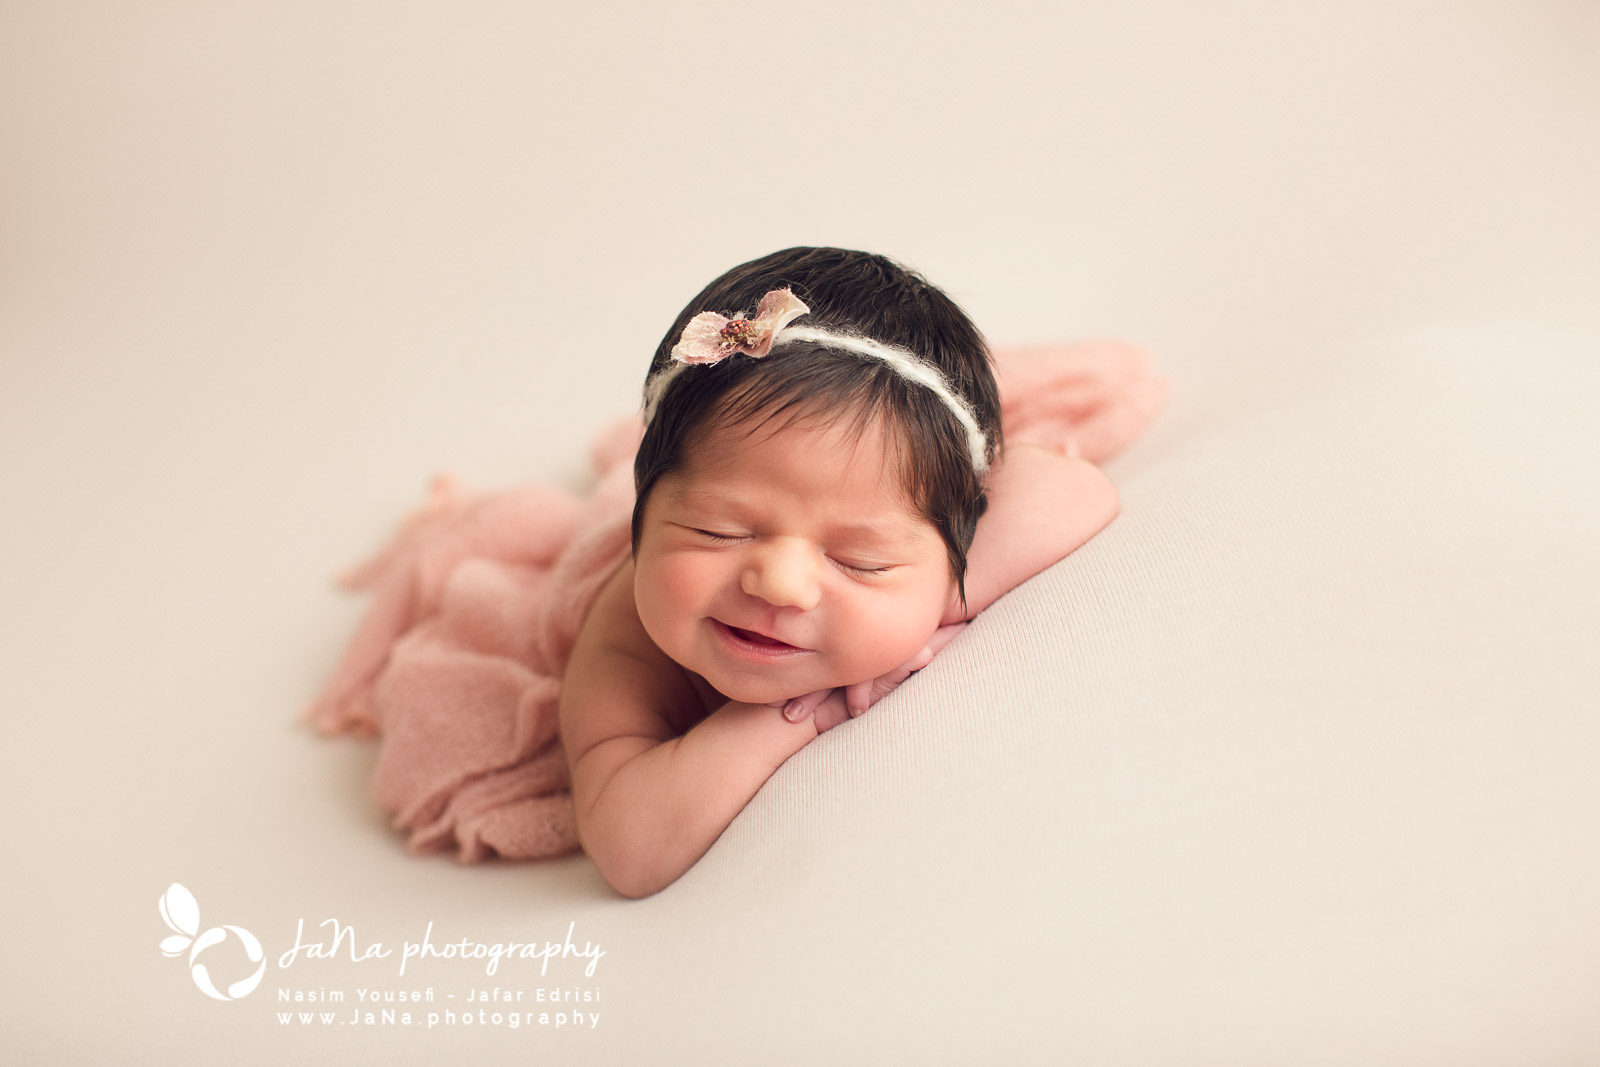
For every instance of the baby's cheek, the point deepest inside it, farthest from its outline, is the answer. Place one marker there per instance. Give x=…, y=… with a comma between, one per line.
x=896, y=634
x=667, y=592
x=682, y=579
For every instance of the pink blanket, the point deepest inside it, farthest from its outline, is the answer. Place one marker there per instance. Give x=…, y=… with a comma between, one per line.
x=477, y=601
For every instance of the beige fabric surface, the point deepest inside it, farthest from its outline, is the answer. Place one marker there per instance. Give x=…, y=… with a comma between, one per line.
x=1292, y=764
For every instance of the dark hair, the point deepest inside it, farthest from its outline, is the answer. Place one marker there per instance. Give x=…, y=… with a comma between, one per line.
x=855, y=293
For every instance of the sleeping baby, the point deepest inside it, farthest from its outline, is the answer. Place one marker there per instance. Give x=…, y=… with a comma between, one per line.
x=821, y=500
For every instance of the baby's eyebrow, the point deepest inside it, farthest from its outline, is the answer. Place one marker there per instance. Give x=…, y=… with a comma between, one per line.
x=701, y=500
x=880, y=532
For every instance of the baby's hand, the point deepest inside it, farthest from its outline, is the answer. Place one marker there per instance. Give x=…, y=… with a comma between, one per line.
x=830, y=707
x=861, y=696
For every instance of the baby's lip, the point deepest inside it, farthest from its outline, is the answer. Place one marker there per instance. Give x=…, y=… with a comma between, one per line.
x=762, y=638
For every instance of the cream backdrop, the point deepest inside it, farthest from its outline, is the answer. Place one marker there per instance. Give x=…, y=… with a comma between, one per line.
x=266, y=267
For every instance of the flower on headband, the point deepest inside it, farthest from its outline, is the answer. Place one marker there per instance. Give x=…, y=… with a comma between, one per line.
x=711, y=338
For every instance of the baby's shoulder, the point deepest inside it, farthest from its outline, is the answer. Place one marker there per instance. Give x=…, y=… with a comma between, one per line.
x=617, y=682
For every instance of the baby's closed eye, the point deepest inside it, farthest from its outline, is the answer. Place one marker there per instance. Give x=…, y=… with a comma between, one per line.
x=846, y=560
x=717, y=537
x=860, y=568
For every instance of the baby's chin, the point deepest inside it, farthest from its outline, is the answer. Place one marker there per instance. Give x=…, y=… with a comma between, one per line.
x=751, y=691
x=755, y=685
x=755, y=690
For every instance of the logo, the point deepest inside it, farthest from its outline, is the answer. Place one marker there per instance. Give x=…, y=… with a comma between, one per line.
x=181, y=913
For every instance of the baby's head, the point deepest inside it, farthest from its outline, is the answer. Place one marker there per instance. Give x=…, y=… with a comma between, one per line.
x=882, y=388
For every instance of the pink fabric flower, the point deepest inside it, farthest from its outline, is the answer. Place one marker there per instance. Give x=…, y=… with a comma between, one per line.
x=711, y=338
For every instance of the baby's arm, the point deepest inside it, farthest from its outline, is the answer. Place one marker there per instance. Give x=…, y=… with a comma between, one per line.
x=1042, y=506
x=650, y=802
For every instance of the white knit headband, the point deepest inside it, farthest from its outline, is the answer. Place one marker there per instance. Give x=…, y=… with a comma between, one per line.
x=711, y=338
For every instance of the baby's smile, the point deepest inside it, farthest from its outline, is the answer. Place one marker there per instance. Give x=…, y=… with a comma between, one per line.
x=757, y=643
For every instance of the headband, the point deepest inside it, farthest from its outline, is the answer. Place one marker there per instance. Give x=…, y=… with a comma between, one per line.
x=711, y=338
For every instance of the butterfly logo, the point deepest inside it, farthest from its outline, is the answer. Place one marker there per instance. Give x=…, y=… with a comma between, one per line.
x=181, y=913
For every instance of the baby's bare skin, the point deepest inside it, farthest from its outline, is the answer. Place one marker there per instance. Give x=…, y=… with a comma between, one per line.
x=660, y=764
x=662, y=761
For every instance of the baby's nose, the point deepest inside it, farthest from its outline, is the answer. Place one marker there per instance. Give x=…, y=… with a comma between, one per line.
x=784, y=574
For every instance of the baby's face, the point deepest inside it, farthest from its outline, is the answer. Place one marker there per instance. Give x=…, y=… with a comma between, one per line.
x=777, y=563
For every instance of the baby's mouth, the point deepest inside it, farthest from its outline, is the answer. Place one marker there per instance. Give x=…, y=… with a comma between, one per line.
x=761, y=640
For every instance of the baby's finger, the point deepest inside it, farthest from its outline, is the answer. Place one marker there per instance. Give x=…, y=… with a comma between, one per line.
x=831, y=712
x=799, y=708
x=885, y=684
x=858, y=697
